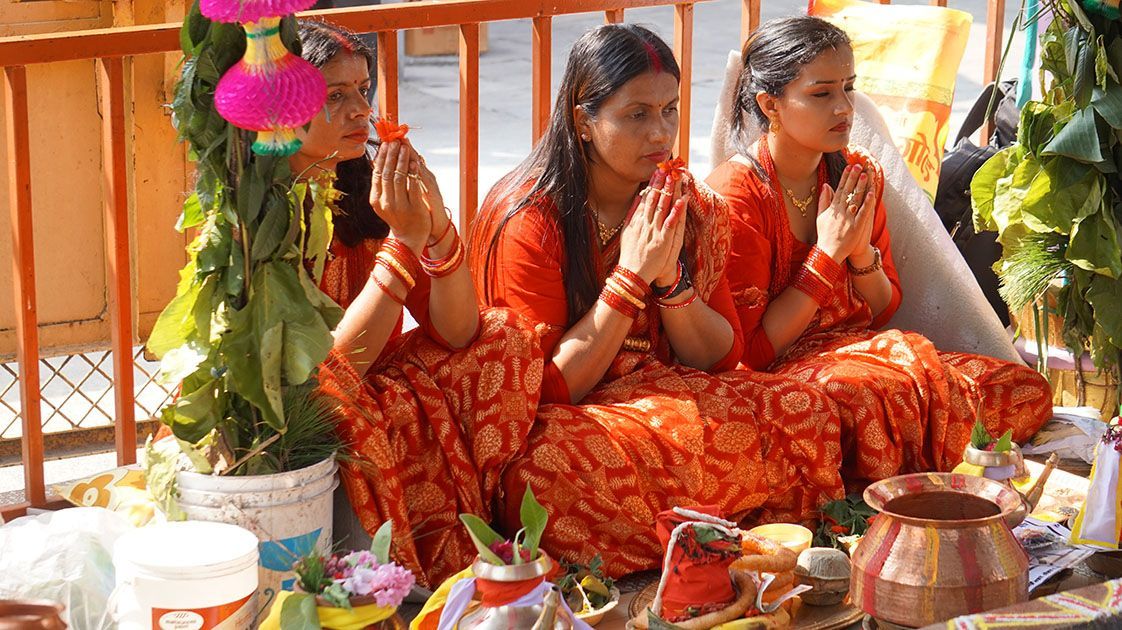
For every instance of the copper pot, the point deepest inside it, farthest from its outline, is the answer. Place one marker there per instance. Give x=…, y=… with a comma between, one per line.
x=30, y=614
x=941, y=547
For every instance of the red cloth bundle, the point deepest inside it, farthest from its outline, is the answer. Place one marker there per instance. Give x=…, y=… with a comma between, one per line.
x=698, y=579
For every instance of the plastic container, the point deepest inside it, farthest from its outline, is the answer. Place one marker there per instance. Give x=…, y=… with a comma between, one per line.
x=192, y=575
x=290, y=512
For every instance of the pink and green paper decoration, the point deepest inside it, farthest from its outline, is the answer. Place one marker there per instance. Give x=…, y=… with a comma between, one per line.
x=270, y=90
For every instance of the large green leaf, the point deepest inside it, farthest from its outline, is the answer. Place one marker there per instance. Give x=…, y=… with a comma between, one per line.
x=1094, y=246
x=273, y=227
x=299, y=613
x=483, y=537
x=1008, y=201
x=1060, y=194
x=983, y=186
x=319, y=228
x=1108, y=103
x=245, y=365
x=380, y=544
x=1079, y=139
x=331, y=313
x=534, y=519
x=196, y=412
x=281, y=298
x=175, y=325
x=1105, y=296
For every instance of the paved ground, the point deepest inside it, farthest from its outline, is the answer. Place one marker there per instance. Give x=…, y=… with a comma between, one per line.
x=429, y=103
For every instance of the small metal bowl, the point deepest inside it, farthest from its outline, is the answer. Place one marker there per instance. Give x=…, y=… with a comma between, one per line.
x=978, y=457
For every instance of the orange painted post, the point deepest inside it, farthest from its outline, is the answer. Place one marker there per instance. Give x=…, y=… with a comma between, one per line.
x=387, y=75
x=938, y=3
x=541, y=55
x=749, y=19
x=613, y=16
x=16, y=134
x=469, y=124
x=995, y=21
x=115, y=203
x=683, y=49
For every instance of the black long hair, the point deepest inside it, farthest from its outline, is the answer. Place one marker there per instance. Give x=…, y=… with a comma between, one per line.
x=355, y=220
x=773, y=57
x=556, y=171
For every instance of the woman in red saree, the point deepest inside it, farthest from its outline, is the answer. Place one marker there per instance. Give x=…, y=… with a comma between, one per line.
x=640, y=412
x=813, y=278
x=433, y=415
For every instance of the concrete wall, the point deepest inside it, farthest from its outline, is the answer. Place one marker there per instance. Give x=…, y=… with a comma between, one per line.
x=66, y=182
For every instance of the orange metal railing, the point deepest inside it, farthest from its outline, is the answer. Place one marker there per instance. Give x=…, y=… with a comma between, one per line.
x=109, y=48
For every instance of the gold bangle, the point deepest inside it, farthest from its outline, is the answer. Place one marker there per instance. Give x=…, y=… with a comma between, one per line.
x=396, y=266
x=614, y=286
x=871, y=268
x=817, y=273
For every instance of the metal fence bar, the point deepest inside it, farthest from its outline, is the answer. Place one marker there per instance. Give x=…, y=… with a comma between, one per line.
x=111, y=72
x=469, y=124
x=541, y=58
x=17, y=136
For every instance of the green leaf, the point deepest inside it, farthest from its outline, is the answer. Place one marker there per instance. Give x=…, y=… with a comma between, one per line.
x=245, y=365
x=272, y=229
x=331, y=313
x=1103, y=69
x=380, y=546
x=213, y=244
x=251, y=195
x=654, y=622
x=1105, y=296
x=983, y=186
x=1083, y=75
x=320, y=229
x=299, y=613
x=1094, y=246
x=534, y=519
x=516, y=547
x=175, y=325
x=979, y=436
x=307, y=338
x=1078, y=140
x=1080, y=16
x=272, y=354
x=161, y=465
x=192, y=213
x=196, y=412
x=1108, y=104
x=1060, y=194
x=483, y=537
x=1004, y=443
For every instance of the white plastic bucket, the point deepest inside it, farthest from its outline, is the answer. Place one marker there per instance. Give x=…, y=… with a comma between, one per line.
x=289, y=512
x=186, y=576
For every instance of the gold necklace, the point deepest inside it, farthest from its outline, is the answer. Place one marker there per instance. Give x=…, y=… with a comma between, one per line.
x=801, y=204
x=604, y=232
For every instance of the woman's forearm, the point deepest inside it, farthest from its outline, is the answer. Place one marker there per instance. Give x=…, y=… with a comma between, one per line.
x=787, y=317
x=699, y=335
x=587, y=350
x=369, y=321
x=453, y=306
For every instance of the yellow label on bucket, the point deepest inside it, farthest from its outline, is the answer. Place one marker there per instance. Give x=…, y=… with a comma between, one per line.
x=232, y=616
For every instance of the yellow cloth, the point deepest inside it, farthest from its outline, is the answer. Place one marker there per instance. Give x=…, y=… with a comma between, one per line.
x=356, y=618
x=435, y=604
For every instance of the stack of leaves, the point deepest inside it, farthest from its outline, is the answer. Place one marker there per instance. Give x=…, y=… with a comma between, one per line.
x=1053, y=197
x=850, y=516
x=520, y=549
x=586, y=589
x=981, y=439
x=248, y=325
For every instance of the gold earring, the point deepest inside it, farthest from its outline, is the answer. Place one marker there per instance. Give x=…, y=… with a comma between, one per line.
x=775, y=126
x=585, y=137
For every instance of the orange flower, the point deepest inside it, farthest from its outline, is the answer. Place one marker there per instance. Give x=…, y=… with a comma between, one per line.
x=840, y=529
x=673, y=167
x=388, y=131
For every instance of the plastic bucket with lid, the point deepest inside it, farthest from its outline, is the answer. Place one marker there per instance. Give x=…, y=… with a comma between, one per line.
x=289, y=512
x=192, y=575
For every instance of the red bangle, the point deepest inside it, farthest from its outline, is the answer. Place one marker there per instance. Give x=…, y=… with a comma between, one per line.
x=832, y=272
x=386, y=290
x=441, y=267
x=642, y=289
x=673, y=285
x=814, y=286
x=448, y=227
x=693, y=297
x=403, y=255
x=618, y=303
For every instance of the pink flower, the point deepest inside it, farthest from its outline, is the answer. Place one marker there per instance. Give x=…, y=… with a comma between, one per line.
x=505, y=551
x=390, y=584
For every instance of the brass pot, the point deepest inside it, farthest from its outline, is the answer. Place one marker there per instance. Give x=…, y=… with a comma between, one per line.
x=30, y=614
x=548, y=614
x=941, y=547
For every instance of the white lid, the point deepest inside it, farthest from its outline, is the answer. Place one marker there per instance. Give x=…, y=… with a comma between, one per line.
x=195, y=548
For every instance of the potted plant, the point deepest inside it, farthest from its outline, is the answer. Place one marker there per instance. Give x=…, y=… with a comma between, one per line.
x=1054, y=196
x=248, y=327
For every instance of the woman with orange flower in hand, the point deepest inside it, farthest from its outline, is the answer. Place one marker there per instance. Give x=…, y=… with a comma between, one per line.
x=433, y=415
x=620, y=263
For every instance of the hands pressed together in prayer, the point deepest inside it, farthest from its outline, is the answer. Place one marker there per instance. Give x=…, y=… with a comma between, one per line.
x=655, y=229
x=845, y=217
x=404, y=193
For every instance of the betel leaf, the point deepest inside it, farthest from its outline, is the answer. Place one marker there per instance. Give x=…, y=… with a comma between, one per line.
x=272, y=229
x=196, y=412
x=319, y=229
x=1004, y=443
x=1094, y=246
x=192, y=214
x=1105, y=296
x=175, y=325
x=380, y=545
x=1079, y=139
x=299, y=613
x=244, y=365
x=534, y=519
x=281, y=298
x=327, y=308
x=483, y=537
x=1060, y=194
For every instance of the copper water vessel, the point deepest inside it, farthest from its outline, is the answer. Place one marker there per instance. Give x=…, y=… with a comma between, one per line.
x=940, y=547
x=30, y=614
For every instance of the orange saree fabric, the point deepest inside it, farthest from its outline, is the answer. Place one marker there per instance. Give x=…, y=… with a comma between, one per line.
x=431, y=428
x=653, y=434
x=905, y=406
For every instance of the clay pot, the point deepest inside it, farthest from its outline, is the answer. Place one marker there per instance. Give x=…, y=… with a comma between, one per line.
x=30, y=614
x=941, y=547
